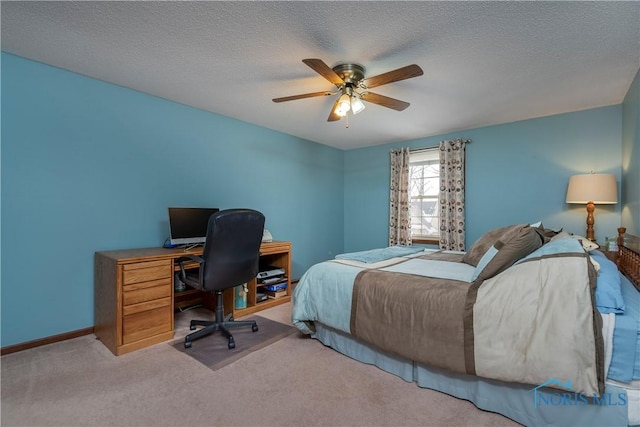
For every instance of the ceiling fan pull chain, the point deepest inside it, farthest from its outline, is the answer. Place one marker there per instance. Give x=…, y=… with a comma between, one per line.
x=347, y=117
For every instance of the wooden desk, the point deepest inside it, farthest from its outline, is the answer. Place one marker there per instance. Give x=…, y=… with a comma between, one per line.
x=134, y=297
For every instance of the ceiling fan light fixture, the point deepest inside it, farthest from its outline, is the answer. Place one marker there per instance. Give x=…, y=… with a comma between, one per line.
x=356, y=104
x=343, y=106
x=350, y=77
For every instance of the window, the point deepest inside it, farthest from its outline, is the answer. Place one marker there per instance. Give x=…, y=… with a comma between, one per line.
x=424, y=189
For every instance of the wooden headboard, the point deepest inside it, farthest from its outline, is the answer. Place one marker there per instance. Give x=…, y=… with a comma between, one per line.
x=629, y=256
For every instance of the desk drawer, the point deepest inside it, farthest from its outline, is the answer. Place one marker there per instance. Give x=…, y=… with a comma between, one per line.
x=146, y=291
x=146, y=306
x=146, y=271
x=146, y=324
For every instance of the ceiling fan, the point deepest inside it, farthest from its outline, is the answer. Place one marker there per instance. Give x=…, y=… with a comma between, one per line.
x=351, y=83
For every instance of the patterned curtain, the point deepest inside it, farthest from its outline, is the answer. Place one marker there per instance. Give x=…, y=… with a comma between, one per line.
x=399, y=216
x=452, y=225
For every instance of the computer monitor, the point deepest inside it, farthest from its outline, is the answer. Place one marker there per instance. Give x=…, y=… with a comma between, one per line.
x=188, y=226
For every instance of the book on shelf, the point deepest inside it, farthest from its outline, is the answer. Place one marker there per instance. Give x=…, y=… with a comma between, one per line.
x=276, y=294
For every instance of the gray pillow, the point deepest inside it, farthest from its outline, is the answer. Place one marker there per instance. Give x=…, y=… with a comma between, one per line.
x=546, y=233
x=515, y=243
x=482, y=245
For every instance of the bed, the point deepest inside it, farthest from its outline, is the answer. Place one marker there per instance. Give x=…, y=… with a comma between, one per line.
x=534, y=324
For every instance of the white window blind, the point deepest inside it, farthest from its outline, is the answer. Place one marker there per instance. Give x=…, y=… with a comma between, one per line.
x=424, y=185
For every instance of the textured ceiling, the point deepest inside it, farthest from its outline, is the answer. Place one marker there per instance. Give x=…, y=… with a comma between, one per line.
x=484, y=63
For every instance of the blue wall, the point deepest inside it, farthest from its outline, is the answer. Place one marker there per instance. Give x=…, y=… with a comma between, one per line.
x=631, y=158
x=89, y=166
x=516, y=173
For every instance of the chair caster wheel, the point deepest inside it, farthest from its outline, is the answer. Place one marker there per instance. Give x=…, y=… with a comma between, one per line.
x=231, y=344
x=254, y=328
x=187, y=344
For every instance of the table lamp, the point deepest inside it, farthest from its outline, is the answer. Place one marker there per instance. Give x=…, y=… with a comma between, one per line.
x=592, y=189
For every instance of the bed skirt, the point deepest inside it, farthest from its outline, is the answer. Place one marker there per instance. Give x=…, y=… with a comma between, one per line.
x=515, y=401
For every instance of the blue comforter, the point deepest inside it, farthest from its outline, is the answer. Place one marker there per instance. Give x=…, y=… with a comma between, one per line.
x=625, y=358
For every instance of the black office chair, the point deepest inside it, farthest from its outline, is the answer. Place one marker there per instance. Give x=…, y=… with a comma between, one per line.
x=230, y=258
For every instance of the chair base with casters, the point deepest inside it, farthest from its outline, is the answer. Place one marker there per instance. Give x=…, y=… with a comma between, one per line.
x=220, y=324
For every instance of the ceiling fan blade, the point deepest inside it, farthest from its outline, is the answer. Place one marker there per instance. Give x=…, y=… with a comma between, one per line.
x=393, y=76
x=385, y=101
x=302, y=96
x=332, y=115
x=324, y=70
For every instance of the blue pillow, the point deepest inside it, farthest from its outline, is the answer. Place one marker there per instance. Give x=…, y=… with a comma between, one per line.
x=608, y=291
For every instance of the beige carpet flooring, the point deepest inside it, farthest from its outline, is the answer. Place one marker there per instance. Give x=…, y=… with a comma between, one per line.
x=294, y=382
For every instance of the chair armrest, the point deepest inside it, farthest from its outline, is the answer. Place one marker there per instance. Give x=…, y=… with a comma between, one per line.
x=190, y=257
x=183, y=275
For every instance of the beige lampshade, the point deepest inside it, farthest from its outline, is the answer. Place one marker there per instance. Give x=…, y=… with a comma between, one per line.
x=601, y=189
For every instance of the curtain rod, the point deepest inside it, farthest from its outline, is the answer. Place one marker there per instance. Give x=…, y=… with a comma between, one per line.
x=417, y=150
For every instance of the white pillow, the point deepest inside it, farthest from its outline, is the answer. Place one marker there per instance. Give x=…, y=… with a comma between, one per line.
x=587, y=244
